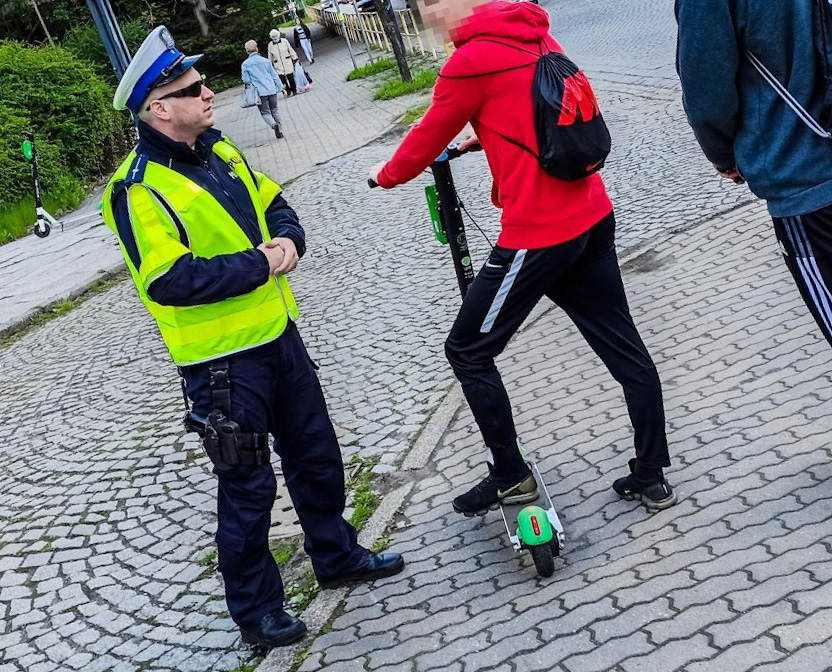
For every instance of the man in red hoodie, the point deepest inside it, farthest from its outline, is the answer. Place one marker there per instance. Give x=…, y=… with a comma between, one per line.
x=557, y=241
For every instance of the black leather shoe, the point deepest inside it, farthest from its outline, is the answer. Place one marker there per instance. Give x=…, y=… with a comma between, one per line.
x=275, y=629
x=374, y=566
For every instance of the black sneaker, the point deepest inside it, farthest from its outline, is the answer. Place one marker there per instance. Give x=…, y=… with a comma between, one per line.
x=489, y=494
x=656, y=495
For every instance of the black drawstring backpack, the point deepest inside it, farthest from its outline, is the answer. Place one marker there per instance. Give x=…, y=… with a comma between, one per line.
x=572, y=138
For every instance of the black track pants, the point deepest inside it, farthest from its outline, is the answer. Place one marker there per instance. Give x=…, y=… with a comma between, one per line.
x=806, y=243
x=583, y=278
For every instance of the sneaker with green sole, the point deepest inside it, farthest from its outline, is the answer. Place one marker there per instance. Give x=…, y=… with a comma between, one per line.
x=655, y=495
x=488, y=494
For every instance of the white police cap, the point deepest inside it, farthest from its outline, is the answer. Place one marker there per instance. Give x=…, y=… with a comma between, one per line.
x=157, y=62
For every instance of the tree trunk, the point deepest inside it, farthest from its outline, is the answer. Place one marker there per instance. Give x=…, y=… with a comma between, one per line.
x=395, y=37
x=200, y=10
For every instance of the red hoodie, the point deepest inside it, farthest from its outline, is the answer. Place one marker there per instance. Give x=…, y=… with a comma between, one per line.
x=538, y=210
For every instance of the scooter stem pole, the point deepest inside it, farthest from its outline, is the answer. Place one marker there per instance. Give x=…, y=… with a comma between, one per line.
x=454, y=226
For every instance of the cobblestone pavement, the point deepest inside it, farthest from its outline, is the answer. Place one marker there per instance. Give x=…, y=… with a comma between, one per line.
x=635, y=40
x=105, y=507
x=734, y=577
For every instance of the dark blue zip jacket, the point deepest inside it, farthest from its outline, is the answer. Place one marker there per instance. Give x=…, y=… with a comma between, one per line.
x=193, y=281
x=736, y=116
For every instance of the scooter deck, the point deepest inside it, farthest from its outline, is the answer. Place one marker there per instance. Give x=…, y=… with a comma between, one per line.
x=544, y=501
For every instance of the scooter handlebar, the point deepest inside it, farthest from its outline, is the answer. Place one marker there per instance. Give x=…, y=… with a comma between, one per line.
x=454, y=151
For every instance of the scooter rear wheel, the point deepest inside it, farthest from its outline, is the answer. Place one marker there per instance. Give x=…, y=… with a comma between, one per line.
x=544, y=560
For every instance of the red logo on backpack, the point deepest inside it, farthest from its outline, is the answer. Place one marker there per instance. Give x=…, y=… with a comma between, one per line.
x=578, y=100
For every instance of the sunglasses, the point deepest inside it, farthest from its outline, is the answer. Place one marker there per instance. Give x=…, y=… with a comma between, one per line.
x=191, y=91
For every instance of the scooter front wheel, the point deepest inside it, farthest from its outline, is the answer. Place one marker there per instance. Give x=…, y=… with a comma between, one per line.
x=544, y=560
x=42, y=233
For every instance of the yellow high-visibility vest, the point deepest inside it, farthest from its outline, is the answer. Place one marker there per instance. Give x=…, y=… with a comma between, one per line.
x=201, y=226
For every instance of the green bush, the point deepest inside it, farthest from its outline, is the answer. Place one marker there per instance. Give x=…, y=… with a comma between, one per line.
x=67, y=105
x=85, y=43
x=423, y=79
x=15, y=180
x=79, y=136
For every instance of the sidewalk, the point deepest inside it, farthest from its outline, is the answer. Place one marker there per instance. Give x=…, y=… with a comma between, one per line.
x=334, y=118
x=35, y=272
x=736, y=575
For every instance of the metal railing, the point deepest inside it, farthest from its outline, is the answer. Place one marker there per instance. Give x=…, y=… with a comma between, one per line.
x=415, y=39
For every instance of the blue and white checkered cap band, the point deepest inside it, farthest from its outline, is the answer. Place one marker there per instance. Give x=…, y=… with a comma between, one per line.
x=157, y=62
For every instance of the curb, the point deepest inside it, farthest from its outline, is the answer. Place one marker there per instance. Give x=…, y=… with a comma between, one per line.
x=320, y=611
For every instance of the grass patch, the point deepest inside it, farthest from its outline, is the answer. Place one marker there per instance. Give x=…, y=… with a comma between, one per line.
x=283, y=550
x=302, y=590
x=364, y=500
x=300, y=656
x=16, y=218
x=53, y=310
x=247, y=667
x=210, y=560
x=414, y=114
x=423, y=79
x=381, y=65
x=382, y=543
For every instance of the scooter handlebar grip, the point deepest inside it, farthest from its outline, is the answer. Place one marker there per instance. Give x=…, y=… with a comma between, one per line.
x=373, y=184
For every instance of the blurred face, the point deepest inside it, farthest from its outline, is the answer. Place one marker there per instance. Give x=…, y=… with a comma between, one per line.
x=445, y=16
x=183, y=108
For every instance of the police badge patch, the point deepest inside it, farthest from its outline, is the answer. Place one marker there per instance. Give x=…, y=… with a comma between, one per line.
x=167, y=38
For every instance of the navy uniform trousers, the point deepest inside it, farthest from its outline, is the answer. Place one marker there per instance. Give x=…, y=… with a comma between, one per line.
x=274, y=388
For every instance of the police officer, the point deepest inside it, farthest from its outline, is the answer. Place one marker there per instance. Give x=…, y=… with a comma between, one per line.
x=209, y=242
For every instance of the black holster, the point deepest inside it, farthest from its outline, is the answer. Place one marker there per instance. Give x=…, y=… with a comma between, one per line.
x=224, y=442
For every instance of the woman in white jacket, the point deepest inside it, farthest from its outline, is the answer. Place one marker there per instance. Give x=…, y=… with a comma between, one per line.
x=283, y=58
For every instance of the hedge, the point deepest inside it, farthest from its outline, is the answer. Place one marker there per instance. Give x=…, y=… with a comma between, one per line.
x=79, y=135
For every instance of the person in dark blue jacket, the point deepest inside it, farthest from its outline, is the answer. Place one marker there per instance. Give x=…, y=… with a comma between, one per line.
x=211, y=235
x=749, y=133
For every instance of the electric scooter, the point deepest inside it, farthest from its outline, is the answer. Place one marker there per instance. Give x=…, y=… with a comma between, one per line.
x=45, y=221
x=532, y=526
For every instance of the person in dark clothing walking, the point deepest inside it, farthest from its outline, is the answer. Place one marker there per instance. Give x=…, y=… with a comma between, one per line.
x=749, y=132
x=557, y=241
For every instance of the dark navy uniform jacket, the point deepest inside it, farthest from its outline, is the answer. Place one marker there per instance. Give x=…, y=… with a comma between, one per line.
x=193, y=281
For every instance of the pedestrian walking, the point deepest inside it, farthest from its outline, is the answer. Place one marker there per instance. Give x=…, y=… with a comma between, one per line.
x=209, y=242
x=303, y=39
x=283, y=58
x=259, y=73
x=557, y=241
x=756, y=83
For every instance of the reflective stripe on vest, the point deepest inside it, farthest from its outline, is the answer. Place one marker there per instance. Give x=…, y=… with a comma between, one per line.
x=195, y=334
